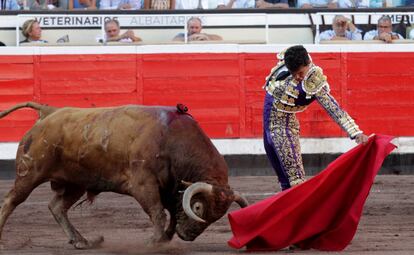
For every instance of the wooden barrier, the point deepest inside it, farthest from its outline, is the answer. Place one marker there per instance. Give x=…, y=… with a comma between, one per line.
x=222, y=86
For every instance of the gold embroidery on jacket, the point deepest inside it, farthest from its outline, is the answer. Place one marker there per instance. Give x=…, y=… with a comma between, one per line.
x=284, y=130
x=337, y=113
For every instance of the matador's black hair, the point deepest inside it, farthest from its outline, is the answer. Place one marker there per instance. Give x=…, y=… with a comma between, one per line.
x=296, y=57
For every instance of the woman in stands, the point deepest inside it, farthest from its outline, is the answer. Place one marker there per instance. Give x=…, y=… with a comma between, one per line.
x=32, y=31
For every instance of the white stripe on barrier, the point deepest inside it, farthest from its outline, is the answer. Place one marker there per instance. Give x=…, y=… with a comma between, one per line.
x=201, y=48
x=255, y=146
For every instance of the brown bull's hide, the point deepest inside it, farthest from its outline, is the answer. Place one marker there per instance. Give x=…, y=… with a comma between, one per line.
x=149, y=153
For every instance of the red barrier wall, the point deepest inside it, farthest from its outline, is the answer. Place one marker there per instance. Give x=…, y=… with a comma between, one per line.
x=223, y=91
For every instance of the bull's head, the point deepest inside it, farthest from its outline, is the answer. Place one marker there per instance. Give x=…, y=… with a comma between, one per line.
x=203, y=204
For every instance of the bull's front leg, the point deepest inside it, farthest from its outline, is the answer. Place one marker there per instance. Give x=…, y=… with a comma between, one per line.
x=172, y=226
x=148, y=197
x=159, y=219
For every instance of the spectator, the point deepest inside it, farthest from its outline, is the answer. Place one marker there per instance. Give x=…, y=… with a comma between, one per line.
x=235, y=4
x=194, y=28
x=409, y=3
x=194, y=4
x=82, y=4
x=46, y=4
x=376, y=3
x=354, y=3
x=388, y=3
x=159, y=4
x=261, y=4
x=342, y=29
x=383, y=32
x=317, y=3
x=32, y=31
x=120, y=4
x=9, y=5
x=411, y=34
x=113, y=33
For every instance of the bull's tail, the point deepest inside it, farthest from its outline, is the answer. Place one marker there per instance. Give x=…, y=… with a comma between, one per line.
x=43, y=110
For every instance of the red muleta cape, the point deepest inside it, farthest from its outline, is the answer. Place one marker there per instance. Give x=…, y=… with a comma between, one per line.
x=321, y=213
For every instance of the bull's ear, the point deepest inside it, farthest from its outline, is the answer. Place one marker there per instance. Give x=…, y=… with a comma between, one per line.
x=186, y=184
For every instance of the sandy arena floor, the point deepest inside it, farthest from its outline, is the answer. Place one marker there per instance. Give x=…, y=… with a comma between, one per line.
x=386, y=227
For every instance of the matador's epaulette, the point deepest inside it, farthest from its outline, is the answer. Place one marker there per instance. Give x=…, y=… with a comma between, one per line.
x=280, y=63
x=314, y=81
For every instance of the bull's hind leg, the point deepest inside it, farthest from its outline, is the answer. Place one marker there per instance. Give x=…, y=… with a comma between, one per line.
x=23, y=186
x=65, y=197
x=29, y=174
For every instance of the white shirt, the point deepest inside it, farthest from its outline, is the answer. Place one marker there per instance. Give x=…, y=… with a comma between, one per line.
x=411, y=35
x=191, y=4
x=314, y=3
x=353, y=3
x=9, y=5
x=125, y=40
x=240, y=4
x=114, y=4
x=371, y=34
x=329, y=34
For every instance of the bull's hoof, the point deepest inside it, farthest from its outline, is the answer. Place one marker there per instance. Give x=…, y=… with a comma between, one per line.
x=88, y=244
x=170, y=234
x=156, y=240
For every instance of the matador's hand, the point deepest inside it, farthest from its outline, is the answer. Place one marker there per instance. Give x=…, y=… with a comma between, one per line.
x=361, y=138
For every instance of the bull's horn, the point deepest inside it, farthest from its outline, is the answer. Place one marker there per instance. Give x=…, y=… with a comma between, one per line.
x=240, y=199
x=189, y=193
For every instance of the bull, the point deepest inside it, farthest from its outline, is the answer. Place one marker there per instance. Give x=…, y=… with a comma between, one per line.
x=158, y=155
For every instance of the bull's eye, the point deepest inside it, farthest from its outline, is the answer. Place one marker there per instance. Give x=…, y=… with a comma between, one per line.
x=198, y=209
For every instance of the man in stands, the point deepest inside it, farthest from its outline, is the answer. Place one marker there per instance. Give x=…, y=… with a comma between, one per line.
x=236, y=4
x=317, y=4
x=355, y=4
x=82, y=4
x=113, y=33
x=383, y=32
x=159, y=4
x=342, y=29
x=9, y=5
x=263, y=4
x=120, y=4
x=194, y=28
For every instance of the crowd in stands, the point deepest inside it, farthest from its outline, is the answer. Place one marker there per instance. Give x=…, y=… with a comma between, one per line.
x=32, y=32
x=193, y=4
x=344, y=29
